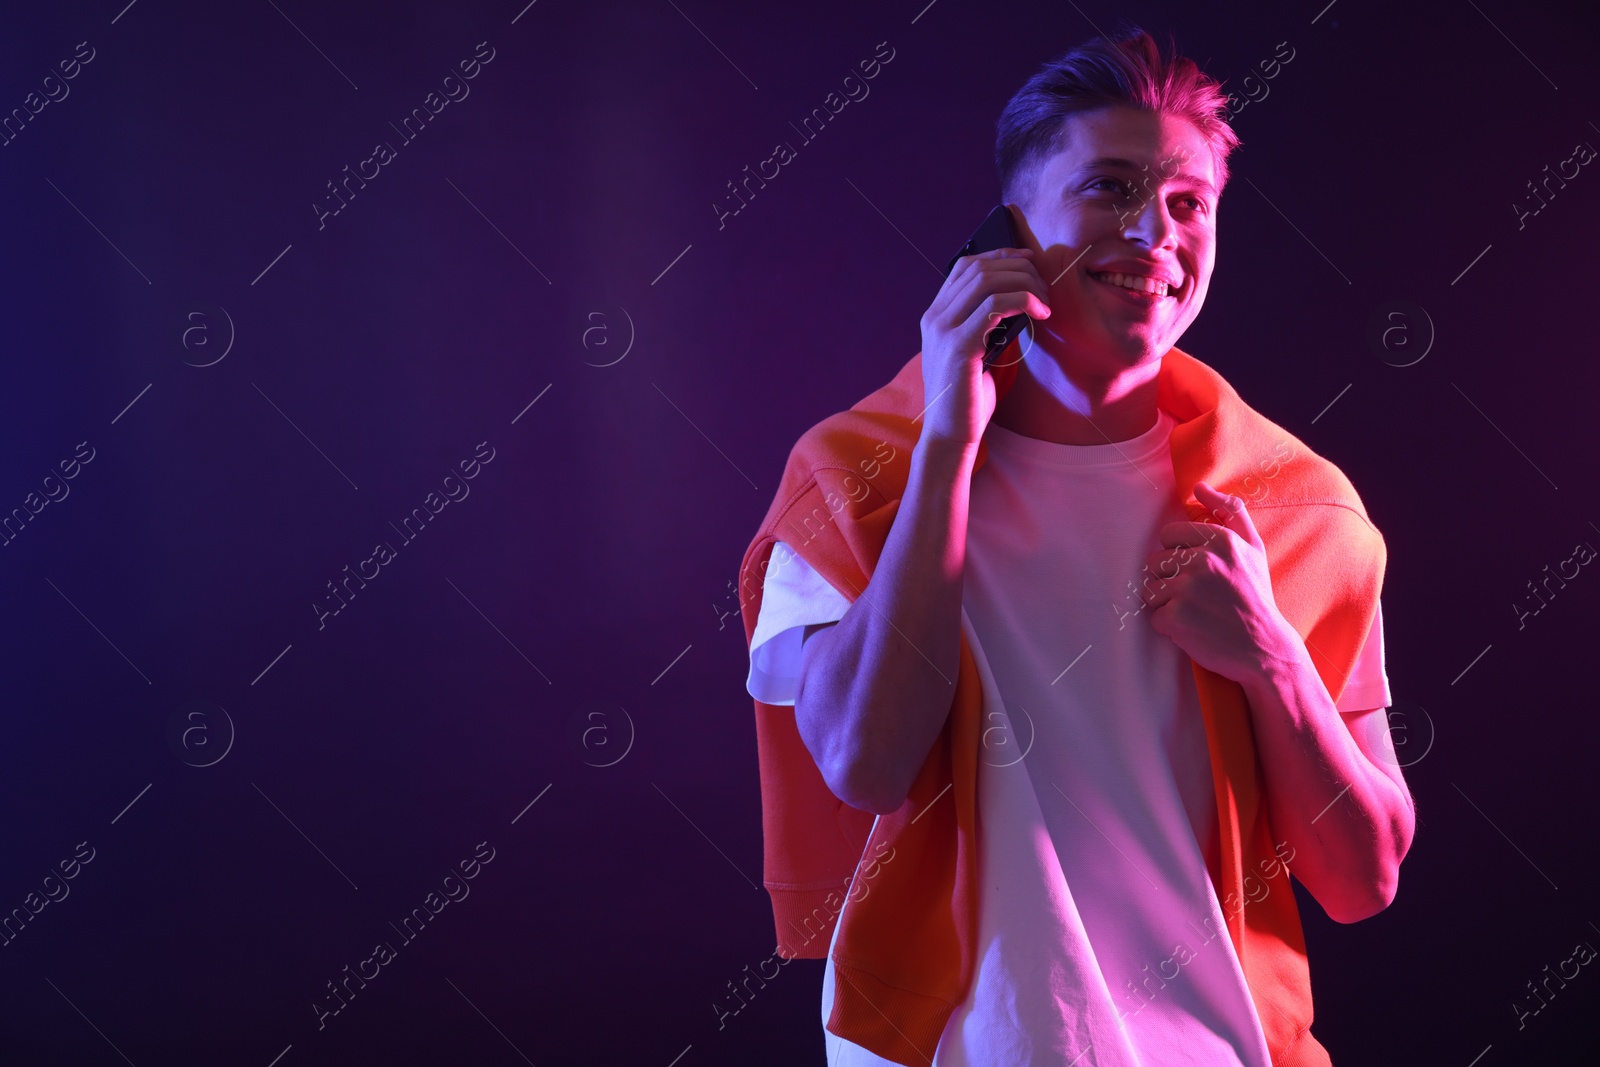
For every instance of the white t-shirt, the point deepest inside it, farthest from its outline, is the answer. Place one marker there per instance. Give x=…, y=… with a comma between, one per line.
x=1100, y=936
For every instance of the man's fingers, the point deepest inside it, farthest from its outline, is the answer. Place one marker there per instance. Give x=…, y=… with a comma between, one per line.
x=1166, y=564
x=989, y=261
x=978, y=262
x=994, y=287
x=993, y=253
x=1230, y=510
x=1189, y=534
x=1014, y=270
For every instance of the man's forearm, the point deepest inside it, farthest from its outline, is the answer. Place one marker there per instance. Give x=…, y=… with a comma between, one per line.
x=876, y=688
x=1349, y=823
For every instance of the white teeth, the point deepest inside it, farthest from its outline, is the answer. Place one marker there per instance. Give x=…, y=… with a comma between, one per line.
x=1135, y=282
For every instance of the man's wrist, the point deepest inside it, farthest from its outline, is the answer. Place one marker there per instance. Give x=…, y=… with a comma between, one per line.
x=945, y=455
x=1284, y=664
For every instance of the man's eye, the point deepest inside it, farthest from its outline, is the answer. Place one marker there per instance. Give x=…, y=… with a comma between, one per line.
x=1193, y=203
x=1117, y=185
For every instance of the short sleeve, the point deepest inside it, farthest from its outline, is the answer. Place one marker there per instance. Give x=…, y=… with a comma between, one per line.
x=1369, y=684
x=793, y=596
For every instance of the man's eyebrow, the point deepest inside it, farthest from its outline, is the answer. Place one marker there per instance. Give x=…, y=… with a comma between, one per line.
x=1116, y=163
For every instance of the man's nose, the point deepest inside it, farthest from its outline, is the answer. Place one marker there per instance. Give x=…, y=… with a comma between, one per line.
x=1151, y=223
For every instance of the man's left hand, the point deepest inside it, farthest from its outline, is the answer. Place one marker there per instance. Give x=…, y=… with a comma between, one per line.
x=1216, y=602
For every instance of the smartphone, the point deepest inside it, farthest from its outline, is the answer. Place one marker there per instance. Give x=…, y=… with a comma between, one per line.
x=996, y=231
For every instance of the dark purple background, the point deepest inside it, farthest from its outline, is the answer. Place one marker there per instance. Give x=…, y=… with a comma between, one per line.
x=589, y=572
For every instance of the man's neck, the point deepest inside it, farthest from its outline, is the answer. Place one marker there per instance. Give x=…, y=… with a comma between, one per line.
x=1071, y=407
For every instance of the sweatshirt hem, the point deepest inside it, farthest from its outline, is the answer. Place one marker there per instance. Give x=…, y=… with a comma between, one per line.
x=900, y=1025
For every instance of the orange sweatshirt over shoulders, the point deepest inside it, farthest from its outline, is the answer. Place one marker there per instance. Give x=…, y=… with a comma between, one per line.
x=905, y=955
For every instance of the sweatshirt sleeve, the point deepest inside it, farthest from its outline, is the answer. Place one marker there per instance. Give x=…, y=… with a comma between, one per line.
x=793, y=596
x=1368, y=687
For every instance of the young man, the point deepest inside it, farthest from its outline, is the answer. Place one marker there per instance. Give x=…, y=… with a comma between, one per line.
x=1090, y=735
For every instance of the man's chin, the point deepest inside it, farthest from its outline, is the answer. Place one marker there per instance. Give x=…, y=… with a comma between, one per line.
x=1121, y=347
x=1135, y=347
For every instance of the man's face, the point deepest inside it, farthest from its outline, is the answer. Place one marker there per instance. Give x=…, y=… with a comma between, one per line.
x=1132, y=194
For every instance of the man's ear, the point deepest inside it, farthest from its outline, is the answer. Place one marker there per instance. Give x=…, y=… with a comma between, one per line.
x=1019, y=218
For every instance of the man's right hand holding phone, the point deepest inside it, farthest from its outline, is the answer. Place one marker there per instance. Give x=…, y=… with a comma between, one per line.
x=874, y=689
x=982, y=290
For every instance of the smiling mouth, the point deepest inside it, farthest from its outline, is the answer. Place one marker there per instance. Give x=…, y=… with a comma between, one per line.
x=1138, y=285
